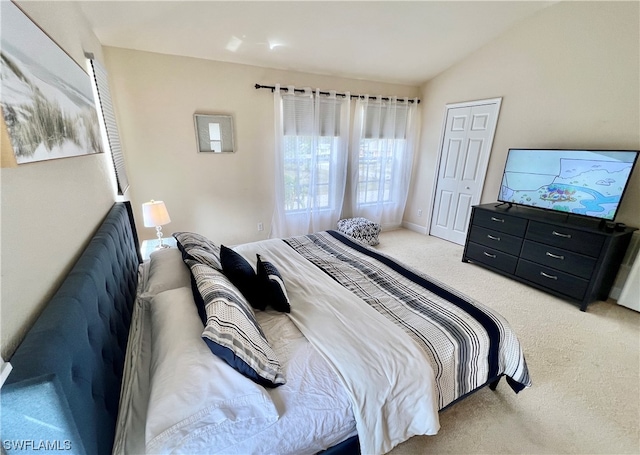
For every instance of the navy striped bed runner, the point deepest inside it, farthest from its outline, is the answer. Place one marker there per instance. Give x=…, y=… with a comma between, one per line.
x=467, y=344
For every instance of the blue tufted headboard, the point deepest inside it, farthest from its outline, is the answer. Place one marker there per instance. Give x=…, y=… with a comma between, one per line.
x=64, y=390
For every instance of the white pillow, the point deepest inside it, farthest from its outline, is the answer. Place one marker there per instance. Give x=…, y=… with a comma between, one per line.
x=166, y=271
x=198, y=403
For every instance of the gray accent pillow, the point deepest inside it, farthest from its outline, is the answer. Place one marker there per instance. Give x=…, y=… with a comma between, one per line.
x=166, y=270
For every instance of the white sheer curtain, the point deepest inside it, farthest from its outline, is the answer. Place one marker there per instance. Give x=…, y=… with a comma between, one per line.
x=384, y=137
x=312, y=136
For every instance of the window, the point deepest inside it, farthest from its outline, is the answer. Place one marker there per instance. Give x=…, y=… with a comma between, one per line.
x=308, y=172
x=381, y=159
x=109, y=120
x=376, y=169
x=310, y=143
x=312, y=136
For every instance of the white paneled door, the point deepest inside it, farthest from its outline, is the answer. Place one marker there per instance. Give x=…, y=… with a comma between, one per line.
x=464, y=155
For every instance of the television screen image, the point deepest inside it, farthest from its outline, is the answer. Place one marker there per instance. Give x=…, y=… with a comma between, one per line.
x=581, y=182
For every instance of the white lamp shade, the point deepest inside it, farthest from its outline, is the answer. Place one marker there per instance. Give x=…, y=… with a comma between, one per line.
x=155, y=214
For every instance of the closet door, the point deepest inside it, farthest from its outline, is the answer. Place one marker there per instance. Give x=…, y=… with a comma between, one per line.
x=464, y=155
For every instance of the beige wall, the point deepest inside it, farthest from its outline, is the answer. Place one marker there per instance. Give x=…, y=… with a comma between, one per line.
x=49, y=209
x=569, y=78
x=223, y=197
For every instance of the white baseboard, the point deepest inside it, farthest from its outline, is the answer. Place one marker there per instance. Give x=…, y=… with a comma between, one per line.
x=618, y=284
x=628, y=296
x=415, y=227
x=625, y=288
x=615, y=292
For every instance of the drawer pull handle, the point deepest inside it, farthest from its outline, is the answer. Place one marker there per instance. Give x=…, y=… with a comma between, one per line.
x=499, y=220
x=555, y=256
x=548, y=276
x=489, y=255
x=493, y=238
x=560, y=234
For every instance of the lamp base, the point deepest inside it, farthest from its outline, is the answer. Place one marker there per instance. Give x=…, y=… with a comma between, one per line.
x=160, y=244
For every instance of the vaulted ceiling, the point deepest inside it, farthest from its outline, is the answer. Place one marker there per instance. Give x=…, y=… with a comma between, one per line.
x=388, y=41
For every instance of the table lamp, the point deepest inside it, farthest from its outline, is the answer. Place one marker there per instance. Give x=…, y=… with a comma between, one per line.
x=155, y=215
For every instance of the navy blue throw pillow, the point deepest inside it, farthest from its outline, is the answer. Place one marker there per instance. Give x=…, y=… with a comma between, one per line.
x=271, y=282
x=242, y=275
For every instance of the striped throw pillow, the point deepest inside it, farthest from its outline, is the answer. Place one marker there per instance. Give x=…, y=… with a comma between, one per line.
x=198, y=248
x=231, y=331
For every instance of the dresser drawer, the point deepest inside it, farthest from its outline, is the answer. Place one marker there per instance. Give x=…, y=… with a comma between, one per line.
x=491, y=257
x=495, y=239
x=586, y=243
x=559, y=259
x=500, y=222
x=567, y=284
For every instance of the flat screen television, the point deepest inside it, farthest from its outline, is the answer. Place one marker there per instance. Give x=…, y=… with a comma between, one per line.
x=589, y=183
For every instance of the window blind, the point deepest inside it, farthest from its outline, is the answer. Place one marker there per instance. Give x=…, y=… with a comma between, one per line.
x=385, y=120
x=109, y=118
x=299, y=115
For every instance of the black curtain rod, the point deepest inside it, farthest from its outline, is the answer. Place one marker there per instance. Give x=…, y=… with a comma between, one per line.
x=301, y=90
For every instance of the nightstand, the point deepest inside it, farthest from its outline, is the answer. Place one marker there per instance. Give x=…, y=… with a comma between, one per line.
x=149, y=246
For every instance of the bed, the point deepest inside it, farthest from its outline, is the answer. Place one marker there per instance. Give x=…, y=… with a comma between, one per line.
x=328, y=311
x=64, y=389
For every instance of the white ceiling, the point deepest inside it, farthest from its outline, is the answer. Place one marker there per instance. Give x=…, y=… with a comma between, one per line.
x=388, y=41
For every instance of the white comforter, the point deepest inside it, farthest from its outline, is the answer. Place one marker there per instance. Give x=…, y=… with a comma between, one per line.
x=386, y=375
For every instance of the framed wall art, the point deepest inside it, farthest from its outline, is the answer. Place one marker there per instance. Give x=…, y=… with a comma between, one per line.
x=47, y=100
x=214, y=133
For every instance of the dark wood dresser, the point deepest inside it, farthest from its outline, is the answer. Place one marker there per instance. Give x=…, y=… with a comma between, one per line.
x=566, y=255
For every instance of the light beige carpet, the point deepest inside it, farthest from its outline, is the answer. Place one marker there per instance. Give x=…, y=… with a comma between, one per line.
x=585, y=367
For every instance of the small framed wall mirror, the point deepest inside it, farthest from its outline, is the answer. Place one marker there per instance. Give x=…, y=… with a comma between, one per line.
x=214, y=133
